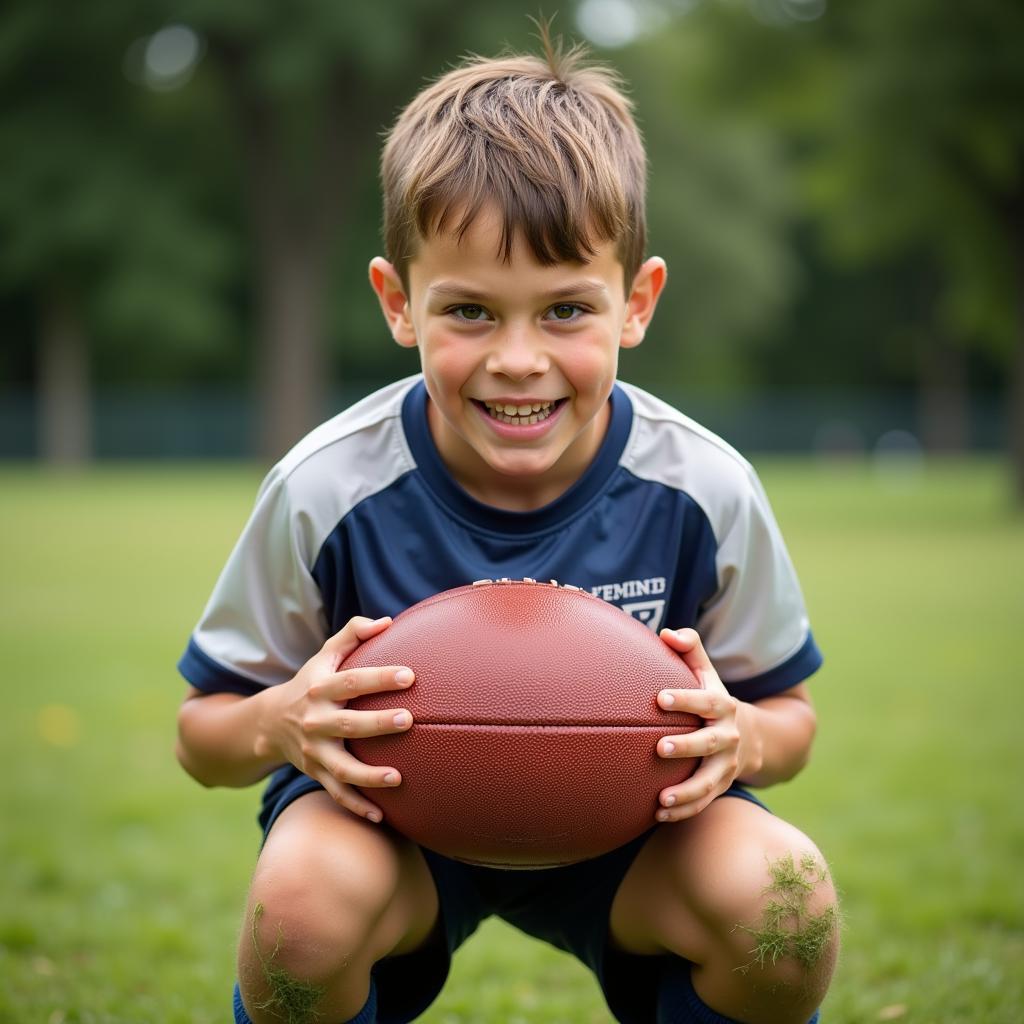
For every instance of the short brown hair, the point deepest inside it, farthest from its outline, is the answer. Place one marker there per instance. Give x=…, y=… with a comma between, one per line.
x=552, y=142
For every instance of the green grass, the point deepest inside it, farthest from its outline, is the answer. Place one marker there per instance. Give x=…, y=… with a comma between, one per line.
x=123, y=881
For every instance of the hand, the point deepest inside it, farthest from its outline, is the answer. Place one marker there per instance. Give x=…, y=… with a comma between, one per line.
x=310, y=722
x=726, y=743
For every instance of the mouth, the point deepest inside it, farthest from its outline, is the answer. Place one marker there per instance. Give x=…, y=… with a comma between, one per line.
x=521, y=414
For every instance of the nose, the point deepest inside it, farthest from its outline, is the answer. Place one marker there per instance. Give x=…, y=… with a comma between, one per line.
x=517, y=354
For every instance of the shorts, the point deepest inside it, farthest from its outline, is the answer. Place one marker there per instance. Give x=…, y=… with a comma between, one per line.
x=568, y=907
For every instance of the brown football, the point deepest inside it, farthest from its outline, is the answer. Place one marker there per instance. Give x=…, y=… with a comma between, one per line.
x=535, y=720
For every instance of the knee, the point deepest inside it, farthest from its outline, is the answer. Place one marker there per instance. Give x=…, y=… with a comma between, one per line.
x=781, y=926
x=749, y=901
x=313, y=911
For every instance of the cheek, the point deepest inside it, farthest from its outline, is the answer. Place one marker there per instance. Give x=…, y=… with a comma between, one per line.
x=592, y=365
x=446, y=361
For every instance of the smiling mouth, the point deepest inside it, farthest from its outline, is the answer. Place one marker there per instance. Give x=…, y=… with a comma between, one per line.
x=521, y=415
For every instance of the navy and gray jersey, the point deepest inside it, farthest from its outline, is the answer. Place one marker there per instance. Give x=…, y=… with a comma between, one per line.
x=363, y=518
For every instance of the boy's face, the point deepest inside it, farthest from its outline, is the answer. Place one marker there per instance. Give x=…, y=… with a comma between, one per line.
x=518, y=358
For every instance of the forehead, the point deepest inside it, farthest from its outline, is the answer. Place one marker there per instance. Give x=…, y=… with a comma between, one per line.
x=475, y=262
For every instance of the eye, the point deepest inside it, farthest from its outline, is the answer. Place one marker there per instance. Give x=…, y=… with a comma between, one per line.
x=469, y=312
x=565, y=312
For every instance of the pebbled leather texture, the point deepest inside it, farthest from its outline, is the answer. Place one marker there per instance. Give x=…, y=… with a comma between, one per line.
x=534, y=724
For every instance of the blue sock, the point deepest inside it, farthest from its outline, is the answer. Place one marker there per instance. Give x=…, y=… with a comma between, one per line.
x=241, y=1017
x=678, y=1002
x=367, y=1015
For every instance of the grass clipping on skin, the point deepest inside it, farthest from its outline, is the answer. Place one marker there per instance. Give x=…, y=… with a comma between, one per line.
x=292, y=1000
x=788, y=930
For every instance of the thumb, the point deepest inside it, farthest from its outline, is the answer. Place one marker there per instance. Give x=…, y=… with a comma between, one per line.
x=687, y=643
x=357, y=630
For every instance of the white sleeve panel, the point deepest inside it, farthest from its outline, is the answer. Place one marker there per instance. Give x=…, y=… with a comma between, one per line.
x=757, y=620
x=265, y=618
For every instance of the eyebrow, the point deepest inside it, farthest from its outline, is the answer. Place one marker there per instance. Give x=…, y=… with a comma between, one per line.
x=453, y=289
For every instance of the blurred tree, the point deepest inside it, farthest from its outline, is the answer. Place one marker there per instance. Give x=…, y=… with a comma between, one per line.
x=720, y=207
x=118, y=205
x=311, y=87
x=100, y=227
x=124, y=200
x=923, y=155
x=906, y=121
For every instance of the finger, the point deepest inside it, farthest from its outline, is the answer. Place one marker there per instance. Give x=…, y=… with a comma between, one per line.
x=684, y=640
x=714, y=702
x=687, y=642
x=686, y=810
x=696, y=792
x=349, y=770
x=699, y=743
x=349, y=724
x=351, y=799
x=352, y=682
x=357, y=630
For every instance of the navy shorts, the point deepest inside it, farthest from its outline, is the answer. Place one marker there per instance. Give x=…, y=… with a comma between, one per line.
x=568, y=907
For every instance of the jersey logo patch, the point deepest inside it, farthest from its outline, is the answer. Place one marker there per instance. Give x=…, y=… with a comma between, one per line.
x=648, y=612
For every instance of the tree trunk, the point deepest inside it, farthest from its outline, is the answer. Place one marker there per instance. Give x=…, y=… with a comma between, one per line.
x=1015, y=396
x=291, y=255
x=295, y=205
x=291, y=366
x=65, y=404
x=944, y=411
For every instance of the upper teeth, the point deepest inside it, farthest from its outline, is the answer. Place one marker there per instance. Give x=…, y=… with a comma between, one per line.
x=518, y=410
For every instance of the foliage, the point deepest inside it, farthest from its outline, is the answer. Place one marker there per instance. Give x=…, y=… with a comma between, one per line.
x=98, y=206
x=924, y=153
x=834, y=186
x=720, y=206
x=905, y=126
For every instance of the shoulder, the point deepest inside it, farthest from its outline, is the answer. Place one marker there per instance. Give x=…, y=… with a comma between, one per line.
x=352, y=456
x=669, y=448
x=339, y=439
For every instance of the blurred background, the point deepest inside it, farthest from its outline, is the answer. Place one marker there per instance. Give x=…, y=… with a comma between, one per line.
x=189, y=203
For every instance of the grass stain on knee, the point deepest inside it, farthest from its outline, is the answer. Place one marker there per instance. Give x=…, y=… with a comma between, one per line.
x=788, y=929
x=290, y=999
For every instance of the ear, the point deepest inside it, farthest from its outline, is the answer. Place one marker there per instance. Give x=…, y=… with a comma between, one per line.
x=642, y=301
x=394, y=304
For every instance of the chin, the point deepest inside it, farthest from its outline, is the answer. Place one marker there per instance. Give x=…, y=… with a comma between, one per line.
x=524, y=469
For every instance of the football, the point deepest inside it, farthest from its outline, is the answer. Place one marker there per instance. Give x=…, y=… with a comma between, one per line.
x=535, y=720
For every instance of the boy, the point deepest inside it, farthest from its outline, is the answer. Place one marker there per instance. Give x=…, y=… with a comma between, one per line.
x=514, y=229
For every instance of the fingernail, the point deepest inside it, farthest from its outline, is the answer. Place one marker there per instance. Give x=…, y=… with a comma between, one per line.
x=404, y=676
x=667, y=699
x=391, y=779
x=667, y=747
x=663, y=816
x=373, y=816
x=669, y=801
x=402, y=719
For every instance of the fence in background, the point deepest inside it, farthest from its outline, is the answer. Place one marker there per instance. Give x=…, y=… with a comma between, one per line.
x=221, y=424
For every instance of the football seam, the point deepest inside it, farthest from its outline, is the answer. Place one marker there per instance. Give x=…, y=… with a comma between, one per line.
x=553, y=726
x=467, y=588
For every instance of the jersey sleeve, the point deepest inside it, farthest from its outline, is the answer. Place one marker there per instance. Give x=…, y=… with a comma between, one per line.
x=265, y=617
x=755, y=627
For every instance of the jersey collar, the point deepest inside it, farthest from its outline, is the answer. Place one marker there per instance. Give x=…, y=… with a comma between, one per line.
x=440, y=481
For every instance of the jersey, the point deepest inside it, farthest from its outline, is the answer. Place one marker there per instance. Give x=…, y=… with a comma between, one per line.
x=362, y=517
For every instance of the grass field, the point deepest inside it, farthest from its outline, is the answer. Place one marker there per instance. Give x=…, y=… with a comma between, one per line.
x=122, y=880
